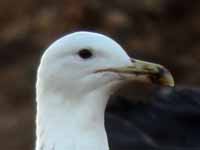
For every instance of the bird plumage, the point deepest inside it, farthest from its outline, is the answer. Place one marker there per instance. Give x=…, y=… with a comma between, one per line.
x=167, y=122
x=76, y=76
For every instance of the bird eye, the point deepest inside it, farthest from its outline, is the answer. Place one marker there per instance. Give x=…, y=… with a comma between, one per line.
x=85, y=53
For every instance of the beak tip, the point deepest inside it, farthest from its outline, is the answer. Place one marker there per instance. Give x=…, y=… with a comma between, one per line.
x=162, y=77
x=167, y=79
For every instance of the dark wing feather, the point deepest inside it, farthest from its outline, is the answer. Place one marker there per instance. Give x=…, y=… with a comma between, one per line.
x=170, y=122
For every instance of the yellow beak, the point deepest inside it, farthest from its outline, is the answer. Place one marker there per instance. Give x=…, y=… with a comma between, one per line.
x=144, y=71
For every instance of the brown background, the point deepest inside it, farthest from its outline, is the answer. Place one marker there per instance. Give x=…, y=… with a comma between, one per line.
x=163, y=31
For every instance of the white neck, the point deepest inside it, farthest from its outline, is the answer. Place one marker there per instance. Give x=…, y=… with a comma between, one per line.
x=71, y=124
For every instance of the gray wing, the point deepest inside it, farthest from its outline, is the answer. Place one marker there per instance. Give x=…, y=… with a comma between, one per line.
x=169, y=122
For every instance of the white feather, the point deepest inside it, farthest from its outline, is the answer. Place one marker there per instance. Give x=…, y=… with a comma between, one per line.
x=71, y=99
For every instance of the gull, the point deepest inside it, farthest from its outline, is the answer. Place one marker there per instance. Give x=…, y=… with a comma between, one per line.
x=76, y=76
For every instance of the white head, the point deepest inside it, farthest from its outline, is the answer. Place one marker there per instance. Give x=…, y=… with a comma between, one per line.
x=76, y=76
x=72, y=61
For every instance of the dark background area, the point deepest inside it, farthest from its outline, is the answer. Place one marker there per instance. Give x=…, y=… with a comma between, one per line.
x=162, y=31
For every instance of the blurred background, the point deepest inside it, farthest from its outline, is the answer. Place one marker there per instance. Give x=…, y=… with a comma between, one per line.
x=162, y=31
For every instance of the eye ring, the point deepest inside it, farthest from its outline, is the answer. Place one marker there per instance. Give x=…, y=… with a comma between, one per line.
x=85, y=53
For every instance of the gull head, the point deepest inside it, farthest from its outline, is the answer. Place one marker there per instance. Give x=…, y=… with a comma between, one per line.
x=86, y=61
x=76, y=75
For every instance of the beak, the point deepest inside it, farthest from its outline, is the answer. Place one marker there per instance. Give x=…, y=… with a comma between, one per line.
x=144, y=71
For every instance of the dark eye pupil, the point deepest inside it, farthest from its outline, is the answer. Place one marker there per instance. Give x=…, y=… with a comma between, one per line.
x=85, y=53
